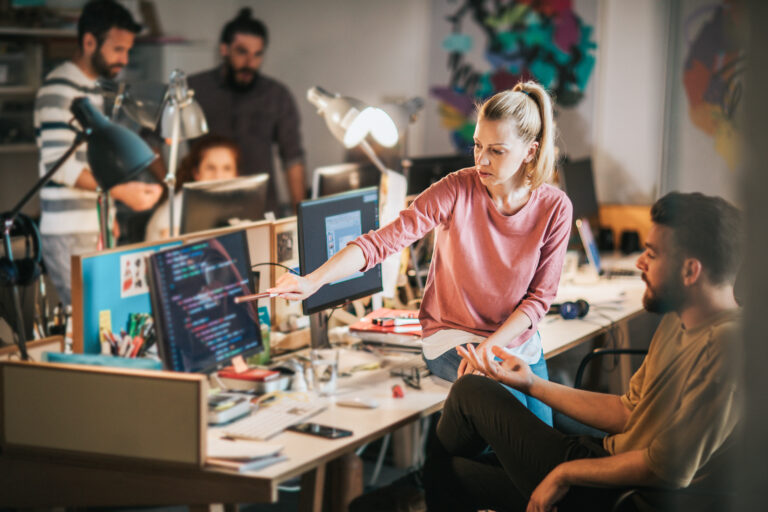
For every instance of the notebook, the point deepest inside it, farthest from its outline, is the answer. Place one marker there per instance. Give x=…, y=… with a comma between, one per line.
x=593, y=254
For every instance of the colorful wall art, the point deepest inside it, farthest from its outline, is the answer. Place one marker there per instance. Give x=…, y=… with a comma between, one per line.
x=520, y=39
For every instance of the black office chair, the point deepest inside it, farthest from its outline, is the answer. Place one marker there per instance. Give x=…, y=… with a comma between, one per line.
x=568, y=425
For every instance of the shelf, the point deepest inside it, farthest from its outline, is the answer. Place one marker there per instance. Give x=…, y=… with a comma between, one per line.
x=37, y=32
x=18, y=90
x=25, y=147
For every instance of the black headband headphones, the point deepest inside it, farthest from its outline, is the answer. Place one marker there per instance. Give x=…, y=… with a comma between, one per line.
x=23, y=271
x=570, y=310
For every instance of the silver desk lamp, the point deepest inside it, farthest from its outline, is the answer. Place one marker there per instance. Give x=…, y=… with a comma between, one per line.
x=182, y=118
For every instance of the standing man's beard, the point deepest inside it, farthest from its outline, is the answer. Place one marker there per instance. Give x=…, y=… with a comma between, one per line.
x=241, y=79
x=103, y=68
x=668, y=296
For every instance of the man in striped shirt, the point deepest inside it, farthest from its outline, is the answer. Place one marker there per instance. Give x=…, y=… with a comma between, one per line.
x=69, y=222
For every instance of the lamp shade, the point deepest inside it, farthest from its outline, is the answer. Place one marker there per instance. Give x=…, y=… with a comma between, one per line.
x=350, y=120
x=141, y=102
x=192, y=121
x=115, y=154
x=403, y=113
x=180, y=101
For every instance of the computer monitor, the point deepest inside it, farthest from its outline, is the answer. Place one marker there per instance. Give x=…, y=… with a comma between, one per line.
x=211, y=204
x=192, y=288
x=326, y=225
x=579, y=184
x=334, y=179
x=424, y=171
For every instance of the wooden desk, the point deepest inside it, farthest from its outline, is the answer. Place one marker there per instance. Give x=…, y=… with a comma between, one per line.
x=44, y=480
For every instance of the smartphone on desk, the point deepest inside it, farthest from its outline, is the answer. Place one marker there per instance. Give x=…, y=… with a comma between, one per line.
x=315, y=429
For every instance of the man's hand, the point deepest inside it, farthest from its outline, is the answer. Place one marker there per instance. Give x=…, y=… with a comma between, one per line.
x=466, y=367
x=548, y=492
x=512, y=370
x=136, y=195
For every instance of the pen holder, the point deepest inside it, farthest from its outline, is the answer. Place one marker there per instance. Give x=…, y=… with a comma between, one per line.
x=266, y=330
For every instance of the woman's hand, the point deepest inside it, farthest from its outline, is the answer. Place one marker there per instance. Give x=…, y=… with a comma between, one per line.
x=293, y=287
x=512, y=370
x=466, y=367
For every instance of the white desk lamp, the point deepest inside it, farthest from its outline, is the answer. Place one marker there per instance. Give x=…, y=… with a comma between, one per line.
x=182, y=118
x=350, y=121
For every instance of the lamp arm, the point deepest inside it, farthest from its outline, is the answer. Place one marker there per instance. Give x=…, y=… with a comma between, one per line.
x=170, y=178
x=8, y=220
x=368, y=150
x=79, y=139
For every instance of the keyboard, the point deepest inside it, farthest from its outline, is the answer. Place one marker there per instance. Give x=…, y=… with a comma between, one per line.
x=621, y=272
x=268, y=421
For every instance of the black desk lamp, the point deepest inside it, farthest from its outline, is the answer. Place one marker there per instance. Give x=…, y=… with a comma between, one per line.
x=115, y=154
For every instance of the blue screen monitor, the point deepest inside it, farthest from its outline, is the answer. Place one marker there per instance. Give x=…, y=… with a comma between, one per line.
x=326, y=225
x=193, y=287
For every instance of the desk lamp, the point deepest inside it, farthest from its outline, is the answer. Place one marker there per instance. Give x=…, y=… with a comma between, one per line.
x=350, y=121
x=182, y=118
x=115, y=154
x=142, y=102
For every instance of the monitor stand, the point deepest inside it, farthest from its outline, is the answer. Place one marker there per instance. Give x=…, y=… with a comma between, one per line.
x=318, y=328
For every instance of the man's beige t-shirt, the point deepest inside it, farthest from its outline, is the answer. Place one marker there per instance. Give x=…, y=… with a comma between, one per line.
x=685, y=398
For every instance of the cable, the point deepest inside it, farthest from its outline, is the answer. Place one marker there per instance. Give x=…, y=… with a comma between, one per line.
x=289, y=269
x=340, y=306
x=615, y=340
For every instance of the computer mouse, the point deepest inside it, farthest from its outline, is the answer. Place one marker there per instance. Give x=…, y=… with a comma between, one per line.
x=358, y=401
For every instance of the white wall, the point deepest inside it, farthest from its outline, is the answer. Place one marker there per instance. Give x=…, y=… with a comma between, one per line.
x=629, y=116
x=374, y=51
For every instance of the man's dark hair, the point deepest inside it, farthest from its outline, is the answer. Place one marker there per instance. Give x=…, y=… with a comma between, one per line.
x=244, y=24
x=99, y=16
x=707, y=228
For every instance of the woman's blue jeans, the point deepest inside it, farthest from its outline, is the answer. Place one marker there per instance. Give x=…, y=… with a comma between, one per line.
x=446, y=366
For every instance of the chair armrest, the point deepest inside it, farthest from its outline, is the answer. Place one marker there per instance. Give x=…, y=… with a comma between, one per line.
x=599, y=352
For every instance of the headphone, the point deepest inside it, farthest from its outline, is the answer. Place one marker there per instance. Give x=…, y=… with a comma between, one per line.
x=570, y=310
x=23, y=271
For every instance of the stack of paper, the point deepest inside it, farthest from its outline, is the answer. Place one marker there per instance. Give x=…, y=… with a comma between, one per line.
x=241, y=455
x=392, y=327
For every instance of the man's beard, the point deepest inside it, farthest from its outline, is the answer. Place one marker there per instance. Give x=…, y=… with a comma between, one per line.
x=103, y=68
x=668, y=296
x=237, y=83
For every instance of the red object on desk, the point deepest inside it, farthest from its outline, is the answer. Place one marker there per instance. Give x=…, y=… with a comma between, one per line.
x=254, y=374
x=397, y=391
x=366, y=325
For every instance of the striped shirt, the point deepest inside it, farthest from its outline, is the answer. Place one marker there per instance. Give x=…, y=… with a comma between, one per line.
x=65, y=209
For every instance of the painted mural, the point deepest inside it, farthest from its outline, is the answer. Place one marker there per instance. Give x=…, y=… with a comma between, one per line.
x=713, y=72
x=543, y=40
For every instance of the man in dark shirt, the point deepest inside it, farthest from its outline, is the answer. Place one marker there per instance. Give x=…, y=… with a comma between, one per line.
x=254, y=110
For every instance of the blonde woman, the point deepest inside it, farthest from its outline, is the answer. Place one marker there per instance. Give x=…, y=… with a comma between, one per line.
x=501, y=236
